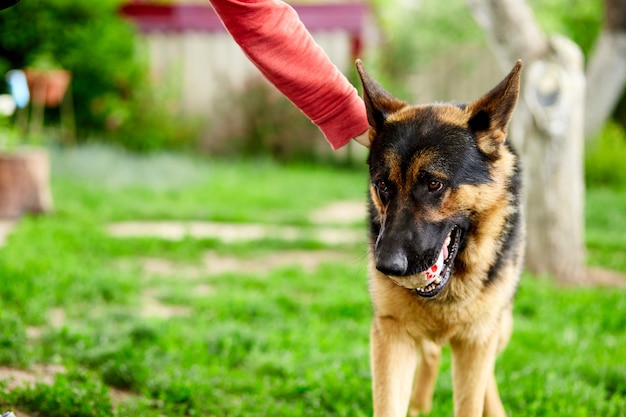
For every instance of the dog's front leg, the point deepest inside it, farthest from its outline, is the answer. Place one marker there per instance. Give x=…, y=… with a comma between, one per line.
x=394, y=358
x=472, y=366
x=425, y=378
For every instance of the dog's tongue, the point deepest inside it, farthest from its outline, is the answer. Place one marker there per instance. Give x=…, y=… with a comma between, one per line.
x=433, y=272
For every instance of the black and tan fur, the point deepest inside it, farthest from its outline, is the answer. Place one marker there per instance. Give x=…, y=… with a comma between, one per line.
x=438, y=171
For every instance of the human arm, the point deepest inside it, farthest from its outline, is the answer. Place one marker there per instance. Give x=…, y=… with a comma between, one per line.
x=276, y=41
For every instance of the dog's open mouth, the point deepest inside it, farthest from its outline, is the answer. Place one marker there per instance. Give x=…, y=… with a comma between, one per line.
x=429, y=283
x=438, y=275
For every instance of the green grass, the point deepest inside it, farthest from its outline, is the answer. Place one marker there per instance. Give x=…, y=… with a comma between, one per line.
x=279, y=341
x=604, y=158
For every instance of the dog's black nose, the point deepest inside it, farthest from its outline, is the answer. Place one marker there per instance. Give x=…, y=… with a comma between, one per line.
x=394, y=263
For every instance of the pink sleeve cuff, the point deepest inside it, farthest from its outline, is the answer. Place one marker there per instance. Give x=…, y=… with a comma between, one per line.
x=348, y=122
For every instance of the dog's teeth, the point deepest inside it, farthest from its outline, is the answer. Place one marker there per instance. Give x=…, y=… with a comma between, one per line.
x=430, y=287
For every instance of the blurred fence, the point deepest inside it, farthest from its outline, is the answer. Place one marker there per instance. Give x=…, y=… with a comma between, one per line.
x=189, y=51
x=188, y=43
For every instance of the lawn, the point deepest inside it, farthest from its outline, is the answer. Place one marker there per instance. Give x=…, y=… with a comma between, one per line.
x=199, y=326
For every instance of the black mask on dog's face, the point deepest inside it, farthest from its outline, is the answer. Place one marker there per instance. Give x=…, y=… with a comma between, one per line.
x=427, y=165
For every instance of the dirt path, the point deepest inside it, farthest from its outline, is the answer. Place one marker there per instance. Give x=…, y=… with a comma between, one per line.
x=331, y=227
x=233, y=232
x=15, y=378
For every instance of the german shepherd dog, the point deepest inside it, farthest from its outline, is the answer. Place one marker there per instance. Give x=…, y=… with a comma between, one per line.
x=446, y=245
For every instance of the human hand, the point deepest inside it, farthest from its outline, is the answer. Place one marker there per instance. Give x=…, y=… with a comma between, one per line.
x=363, y=139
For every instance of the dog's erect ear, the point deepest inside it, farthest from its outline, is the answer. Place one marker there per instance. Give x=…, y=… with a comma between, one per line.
x=378, y=102
x=489, y=115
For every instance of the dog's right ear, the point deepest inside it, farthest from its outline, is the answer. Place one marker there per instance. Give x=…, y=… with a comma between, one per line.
x=379, y=103
x=489, y=115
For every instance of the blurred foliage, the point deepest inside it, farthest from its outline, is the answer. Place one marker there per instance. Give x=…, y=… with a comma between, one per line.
x=604, y=158
x=151, y=119
x=619, y=114
x=256, y=120
x=76, y=394
x=416, y=32
x=87, y=38
x=110, y=86
x=579, y=20
x=13, y=340
x=271, y=124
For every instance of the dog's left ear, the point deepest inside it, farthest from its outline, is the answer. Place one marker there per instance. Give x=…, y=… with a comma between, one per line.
x=489, y=115
x=379, y=103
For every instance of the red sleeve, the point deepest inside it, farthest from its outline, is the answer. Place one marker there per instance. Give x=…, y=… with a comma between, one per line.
x=273, y=37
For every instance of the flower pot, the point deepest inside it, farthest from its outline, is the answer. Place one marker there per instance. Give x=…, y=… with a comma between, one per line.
x=47, y=87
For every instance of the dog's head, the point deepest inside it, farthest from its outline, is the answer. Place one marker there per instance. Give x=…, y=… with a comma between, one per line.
x=433, y=170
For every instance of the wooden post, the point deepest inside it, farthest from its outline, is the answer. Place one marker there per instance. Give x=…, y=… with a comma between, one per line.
x=24, y=183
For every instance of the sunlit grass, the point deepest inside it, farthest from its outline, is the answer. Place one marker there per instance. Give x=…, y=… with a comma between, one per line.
x=274, y=341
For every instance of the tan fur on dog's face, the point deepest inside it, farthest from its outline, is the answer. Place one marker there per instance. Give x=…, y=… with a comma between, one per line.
x=445, y=197
x=434, y=169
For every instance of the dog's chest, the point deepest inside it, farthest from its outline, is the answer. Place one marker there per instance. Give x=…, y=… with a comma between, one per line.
x=420, y=317
x=434, y=321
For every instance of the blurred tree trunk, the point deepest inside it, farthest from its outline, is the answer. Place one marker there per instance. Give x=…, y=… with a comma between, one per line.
x=606, y=71
x=548, y=131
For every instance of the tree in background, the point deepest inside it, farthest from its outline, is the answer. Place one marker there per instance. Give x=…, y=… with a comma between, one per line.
x=606, y=71
x=550, y=125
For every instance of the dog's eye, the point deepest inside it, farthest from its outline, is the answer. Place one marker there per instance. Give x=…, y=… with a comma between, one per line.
x=384, y=190
x=382, y=186
x=435, y=186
